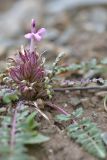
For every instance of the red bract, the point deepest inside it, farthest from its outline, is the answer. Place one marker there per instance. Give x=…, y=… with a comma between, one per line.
x=28, y=73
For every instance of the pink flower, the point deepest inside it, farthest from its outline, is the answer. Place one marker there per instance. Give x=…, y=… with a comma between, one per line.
x=35, y=36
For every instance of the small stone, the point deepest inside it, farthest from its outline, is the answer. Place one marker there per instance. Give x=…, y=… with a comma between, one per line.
x=52, y=34
x=85, y=102
x=66, y=36
x=65, y=105
x=40, y=103
x=75, y=101
x=101, y=94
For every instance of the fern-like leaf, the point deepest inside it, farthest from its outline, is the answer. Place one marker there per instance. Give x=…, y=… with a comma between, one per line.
x=85, y=133
x=75, y=114
x=89, y=136
x=18, y=129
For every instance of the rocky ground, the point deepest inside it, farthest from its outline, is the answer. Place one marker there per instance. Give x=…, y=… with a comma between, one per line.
x=77, y=28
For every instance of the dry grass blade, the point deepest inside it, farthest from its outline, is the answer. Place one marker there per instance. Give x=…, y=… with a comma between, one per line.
x=37, y=108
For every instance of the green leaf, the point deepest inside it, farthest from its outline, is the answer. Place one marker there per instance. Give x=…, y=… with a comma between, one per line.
x=79, y=112
x=31, y=121
x=75, y=114
x=88, y=135
x=74, y=67
x=9, y=97
x=31, y=117
x=24, y=124
x=104, y=61
x=62, y=117
x=13, y=97
x=6, y=99
x=92, y=64
x=3, y=109
x=39, y=138
x=104, y=137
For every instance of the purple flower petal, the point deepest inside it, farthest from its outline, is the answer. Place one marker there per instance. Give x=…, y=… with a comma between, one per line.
x=33, y=58
x=22, y=71
x=33, y=23
x=28, y=36
x=33, y=26
x=41, y=31
x=26, y=55
x=14, y=76
x=26, y=71
x=37, y=37
x=23, y=58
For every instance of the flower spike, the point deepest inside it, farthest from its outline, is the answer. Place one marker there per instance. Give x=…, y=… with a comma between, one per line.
x=28, y=73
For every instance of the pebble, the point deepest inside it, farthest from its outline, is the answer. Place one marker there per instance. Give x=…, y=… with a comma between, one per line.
x=19, y=15
x=75, y=101
x=56, y=6
x=66, y=36
x=52, y=34
x=85, y=102
x=101, y=94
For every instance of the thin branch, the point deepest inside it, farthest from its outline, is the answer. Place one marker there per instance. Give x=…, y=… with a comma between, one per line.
x=56, y=107
x=97, y=88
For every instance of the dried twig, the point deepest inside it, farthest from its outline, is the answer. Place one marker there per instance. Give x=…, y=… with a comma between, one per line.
x=97, y=88
x=105, y=105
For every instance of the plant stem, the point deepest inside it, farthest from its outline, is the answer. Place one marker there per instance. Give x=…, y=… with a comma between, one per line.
x=57, y=108
x=97, y=88
x=32, y=45
x=13, y=129
x=54, y=106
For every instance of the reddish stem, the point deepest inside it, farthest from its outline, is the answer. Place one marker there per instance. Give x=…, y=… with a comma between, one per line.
x=54, y=106
x=13, y=130
x=57, y=108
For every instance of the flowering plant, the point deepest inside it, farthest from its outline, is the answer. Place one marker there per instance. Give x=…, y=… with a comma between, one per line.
x=27, y=69
x=27, y=86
